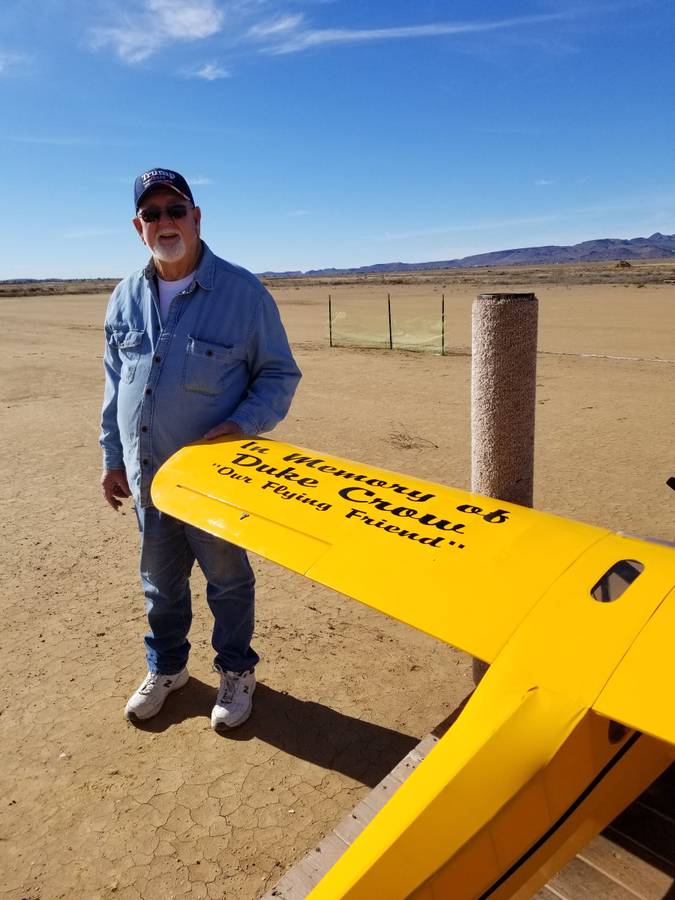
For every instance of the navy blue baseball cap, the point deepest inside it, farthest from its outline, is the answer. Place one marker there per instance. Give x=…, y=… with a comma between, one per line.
x=155, y=178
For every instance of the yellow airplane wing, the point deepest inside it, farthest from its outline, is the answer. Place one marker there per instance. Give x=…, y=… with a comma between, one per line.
x=442, y=560
x=464, y=568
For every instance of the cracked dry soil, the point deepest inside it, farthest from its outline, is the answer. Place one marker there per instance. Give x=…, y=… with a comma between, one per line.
x=93, y=807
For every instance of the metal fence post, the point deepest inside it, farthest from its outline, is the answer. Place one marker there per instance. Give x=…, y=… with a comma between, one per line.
x=442, y=324
x=391, y=338
x=330, y=322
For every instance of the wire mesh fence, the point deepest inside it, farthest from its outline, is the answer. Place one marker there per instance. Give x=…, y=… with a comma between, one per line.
x=392, y=323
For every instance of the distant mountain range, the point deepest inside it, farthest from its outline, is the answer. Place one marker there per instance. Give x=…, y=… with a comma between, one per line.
x=657, y=246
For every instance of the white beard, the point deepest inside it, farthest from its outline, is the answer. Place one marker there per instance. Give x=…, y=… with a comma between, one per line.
x=169, y=253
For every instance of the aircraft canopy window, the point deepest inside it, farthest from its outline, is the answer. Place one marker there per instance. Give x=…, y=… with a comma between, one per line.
x=616, y=580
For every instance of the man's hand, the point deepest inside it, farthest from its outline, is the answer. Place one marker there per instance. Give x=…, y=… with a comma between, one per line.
x=114, y=484
x=224, y=428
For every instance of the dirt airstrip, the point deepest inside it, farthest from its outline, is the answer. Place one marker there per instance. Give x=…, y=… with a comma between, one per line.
x=92, y=807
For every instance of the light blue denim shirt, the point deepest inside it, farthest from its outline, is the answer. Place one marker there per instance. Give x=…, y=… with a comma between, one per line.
x=221, y=354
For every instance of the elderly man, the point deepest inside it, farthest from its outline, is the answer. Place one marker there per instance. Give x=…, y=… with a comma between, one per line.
x=194, y=349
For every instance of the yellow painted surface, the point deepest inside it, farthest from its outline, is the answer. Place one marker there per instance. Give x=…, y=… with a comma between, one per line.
x=530, y=770
x=635, y=771
x=437, y=815
x=639, y=689
x=367, y=534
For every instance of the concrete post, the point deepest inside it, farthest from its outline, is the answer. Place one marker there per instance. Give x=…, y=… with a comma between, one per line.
x=503, y=387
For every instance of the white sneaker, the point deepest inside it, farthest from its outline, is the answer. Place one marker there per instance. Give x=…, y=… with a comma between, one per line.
x=235, y=699
x=150, y=697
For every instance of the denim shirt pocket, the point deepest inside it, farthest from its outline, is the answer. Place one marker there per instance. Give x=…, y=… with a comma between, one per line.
x=209, y=366
x=129, y=349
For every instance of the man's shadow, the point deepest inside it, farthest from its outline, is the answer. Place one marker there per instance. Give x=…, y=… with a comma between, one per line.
x=359, y=749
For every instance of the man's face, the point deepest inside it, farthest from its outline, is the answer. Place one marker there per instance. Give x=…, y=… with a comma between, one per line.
x=169, y=239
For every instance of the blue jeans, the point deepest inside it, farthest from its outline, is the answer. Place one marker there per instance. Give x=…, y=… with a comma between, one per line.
x=169, y=548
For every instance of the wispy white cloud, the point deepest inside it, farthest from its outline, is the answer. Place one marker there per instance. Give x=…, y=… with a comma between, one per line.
x=157, y=23
x=544, y=182
x=209, y=72
x=186, y=19
x=198, y=180
x=131, y=43
x=388, y=236
x=145, y=27
x=298, y=212
x=632, y=205
x=308, y=38
x=277, y=27
x=10, y=62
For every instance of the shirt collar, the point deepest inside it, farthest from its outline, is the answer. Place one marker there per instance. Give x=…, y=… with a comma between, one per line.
x=206, y=268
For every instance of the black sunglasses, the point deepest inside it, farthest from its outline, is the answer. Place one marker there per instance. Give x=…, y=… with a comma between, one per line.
x=154, y=213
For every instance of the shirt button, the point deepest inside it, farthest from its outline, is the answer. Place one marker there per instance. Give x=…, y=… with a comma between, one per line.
x=144, y=428
x=148, y=391
x=145, y=462
x=158, y=359
x=209, y=352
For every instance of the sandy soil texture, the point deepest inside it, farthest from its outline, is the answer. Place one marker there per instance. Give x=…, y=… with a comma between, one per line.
x=92, y=807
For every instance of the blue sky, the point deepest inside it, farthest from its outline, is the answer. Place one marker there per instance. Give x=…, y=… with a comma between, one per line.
x=326, y=133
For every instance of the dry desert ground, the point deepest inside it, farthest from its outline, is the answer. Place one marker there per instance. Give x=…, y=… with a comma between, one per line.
x=93, y=807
